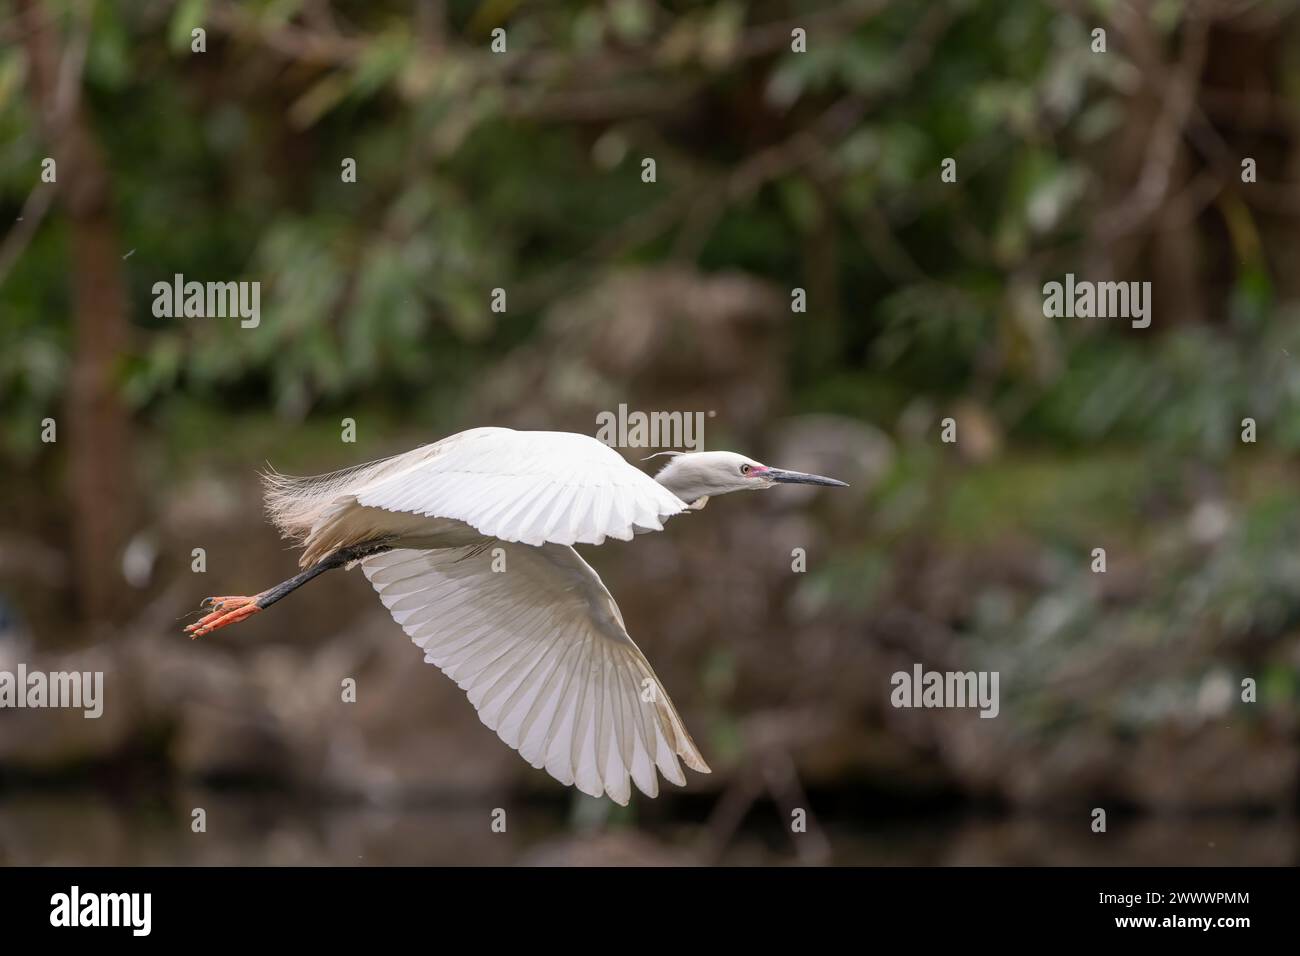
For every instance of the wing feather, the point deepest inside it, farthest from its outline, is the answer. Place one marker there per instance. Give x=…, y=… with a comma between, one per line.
x=531, y=487
x=541, y=651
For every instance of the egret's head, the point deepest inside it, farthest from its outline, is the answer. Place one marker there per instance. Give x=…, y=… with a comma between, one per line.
x=694, y=475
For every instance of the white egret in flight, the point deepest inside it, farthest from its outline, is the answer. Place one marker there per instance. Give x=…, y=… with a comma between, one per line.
x=469, y=542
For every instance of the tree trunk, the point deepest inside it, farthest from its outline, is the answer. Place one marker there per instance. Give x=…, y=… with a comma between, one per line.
x=100, y=489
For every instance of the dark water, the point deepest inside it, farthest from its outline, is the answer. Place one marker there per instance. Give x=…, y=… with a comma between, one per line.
x=86, y=828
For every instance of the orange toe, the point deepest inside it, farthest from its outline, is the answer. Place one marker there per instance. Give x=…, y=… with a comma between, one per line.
x=229, y=600
x=226, y=611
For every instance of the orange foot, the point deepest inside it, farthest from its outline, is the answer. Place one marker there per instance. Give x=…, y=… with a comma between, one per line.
x=225, y=610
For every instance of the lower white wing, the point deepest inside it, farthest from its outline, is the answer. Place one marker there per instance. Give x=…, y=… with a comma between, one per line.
x=534, y=638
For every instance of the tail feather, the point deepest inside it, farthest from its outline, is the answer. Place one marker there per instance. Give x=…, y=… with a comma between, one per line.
x=296, y=504
x=320, y=511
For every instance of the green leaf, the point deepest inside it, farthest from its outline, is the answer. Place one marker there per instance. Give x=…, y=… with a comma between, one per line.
x=188, y=15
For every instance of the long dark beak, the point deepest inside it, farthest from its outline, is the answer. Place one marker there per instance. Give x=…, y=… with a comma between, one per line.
x=799, y=478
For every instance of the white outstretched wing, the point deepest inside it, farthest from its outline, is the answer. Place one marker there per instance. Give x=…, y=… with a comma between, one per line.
x=534, y=487
x=540, y=647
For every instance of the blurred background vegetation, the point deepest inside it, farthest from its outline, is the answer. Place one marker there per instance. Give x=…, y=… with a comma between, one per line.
x=775, y=170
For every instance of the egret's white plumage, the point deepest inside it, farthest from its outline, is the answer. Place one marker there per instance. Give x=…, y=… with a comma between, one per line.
x=469, y=543
x=532, y=487
x=540, y=647
x=543, y=654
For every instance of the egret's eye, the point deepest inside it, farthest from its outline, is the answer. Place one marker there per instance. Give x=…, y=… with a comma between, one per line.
x=744, y=469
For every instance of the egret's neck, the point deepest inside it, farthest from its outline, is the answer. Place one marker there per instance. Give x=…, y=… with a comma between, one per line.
x=681, y=483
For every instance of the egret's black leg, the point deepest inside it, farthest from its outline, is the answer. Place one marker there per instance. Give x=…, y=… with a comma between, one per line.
x=234, y=608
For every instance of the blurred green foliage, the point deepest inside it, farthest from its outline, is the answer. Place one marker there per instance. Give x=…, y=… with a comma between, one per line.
x=820, y=170
x=521, y=171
